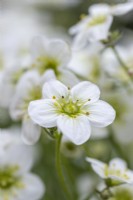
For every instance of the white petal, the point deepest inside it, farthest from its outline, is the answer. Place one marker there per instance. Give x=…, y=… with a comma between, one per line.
x=48, y=76
x=68, y=78
x=20, y=155
x=30, y=132
x=76, y=129
x=100, y=31
x=121, y=9
x=86, y=92
x=54, y=89
x=130, y=175
x=118, y=163
x=99, y=9
x=43, y=112
x=101, y=113
x=98, y=166
x=26, y=84
x=38, y=46
x=59, y=50
x=34, y=188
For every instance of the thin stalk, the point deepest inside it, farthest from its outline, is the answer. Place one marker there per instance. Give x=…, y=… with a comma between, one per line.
x=123, y=65
x=59, y=167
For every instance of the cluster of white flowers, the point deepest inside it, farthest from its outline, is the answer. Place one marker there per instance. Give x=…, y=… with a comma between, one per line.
x=57, y=88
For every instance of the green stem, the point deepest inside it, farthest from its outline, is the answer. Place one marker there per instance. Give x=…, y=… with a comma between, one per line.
x=59, y=168
x=123, y=65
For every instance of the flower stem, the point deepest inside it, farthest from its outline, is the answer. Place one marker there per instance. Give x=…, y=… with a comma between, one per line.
x=123, y=65
x=59, y=168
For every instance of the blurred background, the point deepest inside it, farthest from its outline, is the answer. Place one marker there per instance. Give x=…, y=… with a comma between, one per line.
x=20, y=21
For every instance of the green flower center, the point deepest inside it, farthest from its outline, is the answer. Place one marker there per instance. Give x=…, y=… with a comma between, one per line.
x=71, y=108
x=97, y=20
x=46, y=63
x=7, y=177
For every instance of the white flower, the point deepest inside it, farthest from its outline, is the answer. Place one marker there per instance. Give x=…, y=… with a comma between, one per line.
x=53, y=55
x=73, y=111
x=117, y=170
x=86, y=62
x=90, y=29
x=28, y=89
x=16, y=181
x=118, y=9
x=96, y=25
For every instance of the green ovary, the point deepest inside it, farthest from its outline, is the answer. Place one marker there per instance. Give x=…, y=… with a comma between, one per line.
x=97, y=20
x=46, y=63
x=71, y=109
x=7, y=177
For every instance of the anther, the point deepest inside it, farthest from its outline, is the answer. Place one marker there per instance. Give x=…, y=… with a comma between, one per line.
x=89, y=99
x=69, y=88
x=87, y=113
x=54, y=97
x=62, y=97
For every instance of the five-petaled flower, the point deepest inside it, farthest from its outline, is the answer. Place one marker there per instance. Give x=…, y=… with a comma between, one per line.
x=116, y=170
x=72, y=111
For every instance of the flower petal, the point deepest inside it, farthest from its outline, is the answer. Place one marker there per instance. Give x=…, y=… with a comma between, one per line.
x=121, y=9
x=68, y=78
x=101, y=114
x=54, y=89
x=34, y=188
x=30, y=132
x=76, y=129
x=118, y=163
x=43, y=112
x=97, y=166
x=60, y=50
x=86, y=92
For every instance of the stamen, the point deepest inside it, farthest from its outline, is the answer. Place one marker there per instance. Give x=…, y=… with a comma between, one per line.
x=89, y=99
x=87, y=113
x=54, y=97
x=62, y=97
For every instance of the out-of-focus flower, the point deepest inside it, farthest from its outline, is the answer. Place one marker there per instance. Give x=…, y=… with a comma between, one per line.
x=86, y=63
x=73, y=111
x=28, y=89
x=114, y=69
x=96, y=25
x=90, y=29
x=116, y=170
x=16, y=181
x=52, y=56
x=118, y=9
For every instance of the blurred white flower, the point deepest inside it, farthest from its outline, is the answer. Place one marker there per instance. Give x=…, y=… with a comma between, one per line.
x=86, y=63
x=16, y=181
x=9, y=80
x=118, y=9
x=28, y=89
x=91, y=28
x=52, y=56
x=116, y=170
x=73, y=111
x=96, y=25
x=112, y=66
